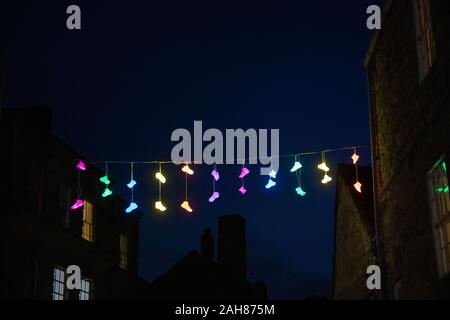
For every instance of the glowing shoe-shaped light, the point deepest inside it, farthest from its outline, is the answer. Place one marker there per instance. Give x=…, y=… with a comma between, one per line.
x=105, y=180
x=242, y=190
x=214, y=197
x=273, y=174
x=159, y=206
x=244, y=172
x=326, y=179
x=297, y=166
x=81, y=166
x=106, y=193
x=358, y=186
x=215, y=175
x=270, y=184
x=300, y=192
x=161, y=178
x=133, y=206
x=78, y=204
x=355, y=158
x=131, y=184
x=187, y=170
x=323, y=166
x=185, y=205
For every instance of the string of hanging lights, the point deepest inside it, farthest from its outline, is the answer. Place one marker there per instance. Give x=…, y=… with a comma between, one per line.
x=186, y=169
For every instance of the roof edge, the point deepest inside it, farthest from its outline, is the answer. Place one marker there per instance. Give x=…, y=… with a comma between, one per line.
x=374, y=42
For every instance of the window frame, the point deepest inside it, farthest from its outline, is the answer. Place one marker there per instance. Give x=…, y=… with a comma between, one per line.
x=426, y=51
x=90, y=293
x=91, y=239
x=439, y=222
x=64, y=295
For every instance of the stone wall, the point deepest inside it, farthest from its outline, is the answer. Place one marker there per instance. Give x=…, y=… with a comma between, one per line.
x=353, y=236
x=411, y=122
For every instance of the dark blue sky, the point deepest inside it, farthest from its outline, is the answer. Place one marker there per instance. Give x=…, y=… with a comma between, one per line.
x=140, y=69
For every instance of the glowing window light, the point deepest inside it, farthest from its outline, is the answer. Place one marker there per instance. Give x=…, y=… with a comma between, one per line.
x=215, y=174
x=326, y=179
x=131, y=184
x=159, y=206
x=133, y=206
x=242, y=190
x=297, y=166
x=105, y=180
x=270, y=184
x=78, y=204
x=188, y=170
x=214, y=197
x=244, y=172
x=185, y=205
x=106, y=193
x=358, y=186
x=160, y=177
x=300, y=191
x=81, y=166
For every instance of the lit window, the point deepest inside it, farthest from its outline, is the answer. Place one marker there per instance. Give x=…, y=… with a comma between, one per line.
x=59, y=292
x=86, y=289
x=88, y=222
x=426, y=47
x=440, y=206
x=123, y=263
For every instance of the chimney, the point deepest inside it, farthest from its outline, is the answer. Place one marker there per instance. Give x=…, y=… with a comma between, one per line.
x=207, y=244
x=232, y=253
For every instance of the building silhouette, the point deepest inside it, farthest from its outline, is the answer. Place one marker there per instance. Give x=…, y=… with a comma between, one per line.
x=408, y=69
x=199, y=276
x=41, y=236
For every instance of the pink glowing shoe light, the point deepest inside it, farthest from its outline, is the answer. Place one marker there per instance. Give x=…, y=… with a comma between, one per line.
x=244, y=172
x=78, y=204
x=242, y=190
x=81, y=166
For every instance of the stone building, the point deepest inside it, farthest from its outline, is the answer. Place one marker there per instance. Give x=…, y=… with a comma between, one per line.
x=41, y=236
x=408, y=69
x=354, y=234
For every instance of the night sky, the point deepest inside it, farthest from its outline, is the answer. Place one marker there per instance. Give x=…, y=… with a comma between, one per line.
x=140, y=69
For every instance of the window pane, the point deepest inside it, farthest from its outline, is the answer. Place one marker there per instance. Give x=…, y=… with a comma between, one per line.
x=58, y=284
x=88, y=220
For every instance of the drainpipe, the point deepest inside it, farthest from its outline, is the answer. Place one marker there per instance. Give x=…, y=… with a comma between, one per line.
x=378, y=236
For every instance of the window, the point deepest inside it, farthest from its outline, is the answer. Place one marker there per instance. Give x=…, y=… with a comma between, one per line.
x=88, y=222
x=59, y=284
x=64, y=203
x=426, y=48
x=86, y=289
x=440, y=207
x=123, y=262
